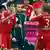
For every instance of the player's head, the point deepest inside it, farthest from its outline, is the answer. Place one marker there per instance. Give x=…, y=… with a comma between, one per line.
x=11, y=6
x=38, y=7
x=19, y=7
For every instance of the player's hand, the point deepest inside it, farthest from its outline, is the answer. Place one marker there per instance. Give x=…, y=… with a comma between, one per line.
x=14, y=39
x=20, y=25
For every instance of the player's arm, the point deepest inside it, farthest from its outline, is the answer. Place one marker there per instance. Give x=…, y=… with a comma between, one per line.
x=28, y=10
x=33, y=15
x=5, y=15
x=36, y=18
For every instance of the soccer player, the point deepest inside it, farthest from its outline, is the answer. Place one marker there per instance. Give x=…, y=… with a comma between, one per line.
x=19, y=30
x=7, y=21
x=44, y=28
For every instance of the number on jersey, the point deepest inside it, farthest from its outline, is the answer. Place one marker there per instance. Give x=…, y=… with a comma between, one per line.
x=47, y=23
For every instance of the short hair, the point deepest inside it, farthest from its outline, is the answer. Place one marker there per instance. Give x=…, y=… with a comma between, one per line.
x=9, y=3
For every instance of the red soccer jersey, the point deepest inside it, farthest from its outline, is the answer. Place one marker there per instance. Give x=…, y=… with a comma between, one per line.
x=12, y=22
x=7, y=24
x=29, y=10
x=43, y=21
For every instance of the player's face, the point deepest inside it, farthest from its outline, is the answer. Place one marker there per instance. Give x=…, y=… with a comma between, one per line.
x=12, y=8
x=19, y=7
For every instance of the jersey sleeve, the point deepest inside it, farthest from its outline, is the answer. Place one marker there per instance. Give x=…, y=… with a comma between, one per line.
x=28, y=11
